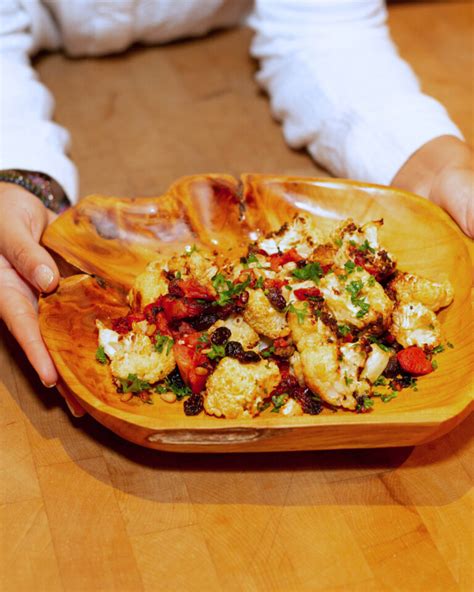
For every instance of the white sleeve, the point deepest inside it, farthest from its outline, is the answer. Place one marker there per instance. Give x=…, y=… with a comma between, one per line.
x=28, y=139
x=339, y=87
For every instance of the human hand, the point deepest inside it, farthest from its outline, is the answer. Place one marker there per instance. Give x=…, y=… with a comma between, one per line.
x=443, y=171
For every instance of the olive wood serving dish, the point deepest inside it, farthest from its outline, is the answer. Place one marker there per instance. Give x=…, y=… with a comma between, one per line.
x=109, y=240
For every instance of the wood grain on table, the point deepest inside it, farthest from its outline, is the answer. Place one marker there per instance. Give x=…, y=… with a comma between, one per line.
x=83, y=510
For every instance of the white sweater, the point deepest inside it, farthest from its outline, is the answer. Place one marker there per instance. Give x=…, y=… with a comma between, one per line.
x=332, y=72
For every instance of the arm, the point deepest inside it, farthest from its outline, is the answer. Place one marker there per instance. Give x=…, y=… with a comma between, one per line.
x=28, y=140
x=339, y=87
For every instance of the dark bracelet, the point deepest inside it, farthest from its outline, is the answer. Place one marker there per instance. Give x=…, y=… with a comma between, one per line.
x=43, y=186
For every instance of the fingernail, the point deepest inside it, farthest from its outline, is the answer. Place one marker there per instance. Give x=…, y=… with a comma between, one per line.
x=43, y=277
x=48, y=385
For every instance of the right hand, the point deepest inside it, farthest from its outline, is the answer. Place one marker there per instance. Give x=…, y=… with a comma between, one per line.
x=25, y=270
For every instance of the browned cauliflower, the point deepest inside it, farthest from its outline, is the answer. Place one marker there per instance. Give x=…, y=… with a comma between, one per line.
x=236, y=390
x=410, y=288
x=263, y=318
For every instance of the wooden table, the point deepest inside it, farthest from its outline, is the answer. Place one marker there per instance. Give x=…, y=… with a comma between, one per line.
x=85, y=511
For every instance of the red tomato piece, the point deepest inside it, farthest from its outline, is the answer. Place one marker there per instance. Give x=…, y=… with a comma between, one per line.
x=279, y=259
x=191, y=361
x=305, y=293
x=181, y=308
x=124, y=324
x=414, y=361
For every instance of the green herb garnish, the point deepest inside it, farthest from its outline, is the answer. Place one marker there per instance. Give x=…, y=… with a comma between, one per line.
x=259, y=283
x=381, y=381
x=373, y=339
x=311, y=271
x=434, y=364
x=132, y=384
x=301, y=313
x=364, y=247
x=364, y=403
x=163, y=342
x=278, y=402
x=349, y=266
x=100, y=355
x=343, y=330
x=266, y=353
x=227, y=290
x=438, y=349
x=175, y=384
x=216, y=352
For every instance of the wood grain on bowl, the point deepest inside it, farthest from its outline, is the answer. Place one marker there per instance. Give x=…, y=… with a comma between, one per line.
x=115, y=238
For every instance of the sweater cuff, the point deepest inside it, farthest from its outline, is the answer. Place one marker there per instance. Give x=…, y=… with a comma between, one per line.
x=39, y=148
x=374, y=147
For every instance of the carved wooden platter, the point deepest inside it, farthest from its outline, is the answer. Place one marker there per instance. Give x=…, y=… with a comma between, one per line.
x=108, y=241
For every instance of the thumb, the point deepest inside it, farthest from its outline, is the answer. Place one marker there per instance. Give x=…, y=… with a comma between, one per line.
x=24, y=253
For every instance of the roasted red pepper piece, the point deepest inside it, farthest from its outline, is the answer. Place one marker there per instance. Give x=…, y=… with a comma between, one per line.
x=191, y=288
x=414, y=361
x=180, y=308
x=279, y=259
x=305, y=293
x=124, y=324
x=191, y=362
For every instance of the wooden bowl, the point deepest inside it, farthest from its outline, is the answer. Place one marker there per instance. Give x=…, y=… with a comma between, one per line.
x=112, y=239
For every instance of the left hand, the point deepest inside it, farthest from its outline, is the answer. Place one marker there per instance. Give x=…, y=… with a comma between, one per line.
x=443, y=171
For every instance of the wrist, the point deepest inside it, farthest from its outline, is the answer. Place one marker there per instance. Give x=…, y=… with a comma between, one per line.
x=420, y=172
x=46, y=189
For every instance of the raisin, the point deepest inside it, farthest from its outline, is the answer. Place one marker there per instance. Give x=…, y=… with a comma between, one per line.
x=233, y=349
x=194, y=405
x=285, y=352
x=276, y=298
x=392, y=368
x=308, y=400
x=248, y=357
x=204, y=321
x=301, y=263
x=220, y=336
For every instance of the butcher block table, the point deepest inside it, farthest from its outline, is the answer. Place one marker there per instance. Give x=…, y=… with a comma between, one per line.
x=83, y=510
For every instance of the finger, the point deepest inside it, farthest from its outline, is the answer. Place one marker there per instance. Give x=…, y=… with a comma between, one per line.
x=21, y=319
x=31, y=260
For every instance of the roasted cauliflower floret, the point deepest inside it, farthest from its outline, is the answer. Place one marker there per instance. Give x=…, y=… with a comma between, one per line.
x=412, y=288
x=376, y=363
x=195, y=264
x=148, y=286
x=356, y=298
x=291, y=408
x=135, y=354
x=236, y=390
x=108, y=339
x=301, y=234
x=240, y=331
x=319, y=355
x=263, y=318
x=415, y=324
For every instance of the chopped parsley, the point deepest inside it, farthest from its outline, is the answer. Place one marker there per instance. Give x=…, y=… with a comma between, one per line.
x=259, y=283
x=266, y=353
x=227, y=290
x=288, y=287
x=354, y=289
x=348, y=380
x=132, y=384
x=174, y=383
x=278, y=402
x=163, y=343
x=364, y=247
x=338, y=242
x=383, y=347
x=251, y=258
x=216, y=352
x=301, y=313
x=349, y=266
x=364, y=403
x=381, y=381
x=438, y=349
x=371, y=281
x=343, y=330
x=100, y=355
x=385, y=397
x=434, y=364
x=311, y=271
